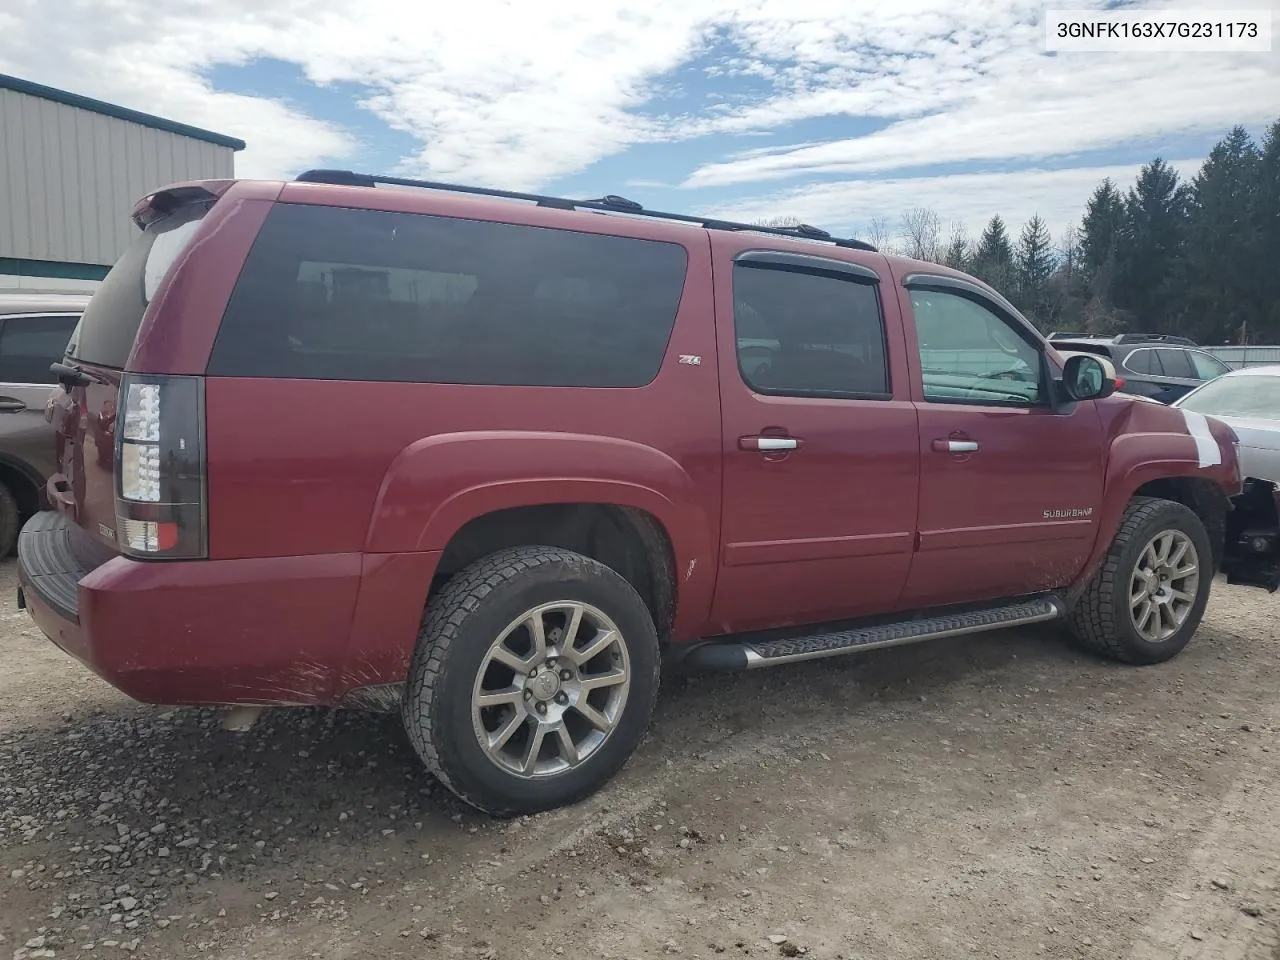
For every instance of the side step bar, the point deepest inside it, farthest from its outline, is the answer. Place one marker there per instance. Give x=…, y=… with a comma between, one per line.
x=727, y=656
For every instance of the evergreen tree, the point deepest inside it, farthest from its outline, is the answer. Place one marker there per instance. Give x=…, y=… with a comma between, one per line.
x=1221, y=273
x=1266, y=223
x=956, y=253
x=1068, y=287
x=993, y=260
x=1155, y=222
x=1033, y=265
x=1101, y=237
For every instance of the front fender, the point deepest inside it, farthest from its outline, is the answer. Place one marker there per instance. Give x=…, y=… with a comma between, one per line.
x=437, y=484
x=1134, y=459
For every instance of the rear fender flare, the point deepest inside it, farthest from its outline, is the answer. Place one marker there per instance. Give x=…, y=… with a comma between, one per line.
x=436, y=485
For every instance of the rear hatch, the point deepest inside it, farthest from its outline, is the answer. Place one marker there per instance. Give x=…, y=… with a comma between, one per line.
x=130, y=478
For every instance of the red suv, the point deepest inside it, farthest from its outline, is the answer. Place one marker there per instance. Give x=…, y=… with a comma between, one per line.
x=487, y=458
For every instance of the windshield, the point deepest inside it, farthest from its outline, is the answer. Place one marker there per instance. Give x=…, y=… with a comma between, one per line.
x=1252, y=396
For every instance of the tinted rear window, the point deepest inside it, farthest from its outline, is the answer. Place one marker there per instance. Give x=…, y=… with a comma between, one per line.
x=341, y=294
x=1143, y=361
x=1176, y=363
x=111, y=320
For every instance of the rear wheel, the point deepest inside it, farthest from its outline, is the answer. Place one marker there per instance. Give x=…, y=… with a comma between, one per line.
x=533, y=681
x=1148, y=598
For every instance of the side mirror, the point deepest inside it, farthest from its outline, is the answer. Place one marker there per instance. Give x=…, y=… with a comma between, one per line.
x=1086, y=377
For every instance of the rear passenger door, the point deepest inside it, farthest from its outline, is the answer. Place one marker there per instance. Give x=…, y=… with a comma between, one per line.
x=819, y=438
x=1180, y=374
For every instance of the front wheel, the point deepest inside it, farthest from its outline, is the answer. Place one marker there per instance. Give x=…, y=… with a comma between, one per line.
x=533, y=681
x=1149, y=596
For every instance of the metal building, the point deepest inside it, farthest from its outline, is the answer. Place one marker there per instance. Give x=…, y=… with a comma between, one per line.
x=71, y=169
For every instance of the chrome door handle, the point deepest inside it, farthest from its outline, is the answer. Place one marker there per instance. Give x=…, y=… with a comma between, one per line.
x=768, y=444
x=955, y=446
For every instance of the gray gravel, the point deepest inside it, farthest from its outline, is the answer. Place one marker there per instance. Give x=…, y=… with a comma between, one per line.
x=1003, y=797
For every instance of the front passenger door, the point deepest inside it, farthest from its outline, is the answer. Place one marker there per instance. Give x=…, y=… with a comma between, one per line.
x=1010, y=488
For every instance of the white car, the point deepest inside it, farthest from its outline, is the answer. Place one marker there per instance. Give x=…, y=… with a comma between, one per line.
x=1247, y=400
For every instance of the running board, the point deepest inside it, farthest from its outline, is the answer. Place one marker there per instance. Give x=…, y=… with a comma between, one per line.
x=727, y=656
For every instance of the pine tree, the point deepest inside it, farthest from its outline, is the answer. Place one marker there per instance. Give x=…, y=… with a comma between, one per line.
x=1101, y=237
x=956, y=253
x=1155, y=215
x=1221, y=273
x=993, y=260
x=1266, y=220
x=1033, y=266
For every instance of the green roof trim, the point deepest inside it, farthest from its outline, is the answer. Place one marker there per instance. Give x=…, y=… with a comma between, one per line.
x=52, y=269
x=120, y=113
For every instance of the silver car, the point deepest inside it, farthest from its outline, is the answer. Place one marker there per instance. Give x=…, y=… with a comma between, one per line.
x=1248, y=400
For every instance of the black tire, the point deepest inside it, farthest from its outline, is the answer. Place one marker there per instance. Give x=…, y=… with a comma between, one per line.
x=10, y=520
x=1101, y=619
x=460, y=625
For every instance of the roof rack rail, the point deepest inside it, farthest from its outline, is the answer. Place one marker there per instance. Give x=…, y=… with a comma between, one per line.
x=607, y=204
x=1065, y=335
x=1155, y=338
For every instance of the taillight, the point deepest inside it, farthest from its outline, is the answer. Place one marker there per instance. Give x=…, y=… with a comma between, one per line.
x=160, y=469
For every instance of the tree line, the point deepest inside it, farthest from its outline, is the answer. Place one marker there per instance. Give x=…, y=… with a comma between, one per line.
x=1197, y=258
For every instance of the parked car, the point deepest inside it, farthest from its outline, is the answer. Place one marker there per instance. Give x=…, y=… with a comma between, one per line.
x=1158, y=366
x=34, y=329
x=1248, y=400
x=487, y=458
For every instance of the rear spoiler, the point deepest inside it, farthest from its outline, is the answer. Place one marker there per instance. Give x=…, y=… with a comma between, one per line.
x=158, y=205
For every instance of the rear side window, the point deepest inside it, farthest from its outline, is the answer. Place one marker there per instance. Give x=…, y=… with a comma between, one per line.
x=29, y=344
x=114, y=314
x=1176, y=363
x=1143, y=361
x=342, y=294
x=805, y=334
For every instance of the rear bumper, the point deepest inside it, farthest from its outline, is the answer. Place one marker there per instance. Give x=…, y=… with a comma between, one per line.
x=274, y=630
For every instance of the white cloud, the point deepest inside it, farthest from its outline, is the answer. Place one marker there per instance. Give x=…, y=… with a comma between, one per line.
x=517, y=94
x=847, y=207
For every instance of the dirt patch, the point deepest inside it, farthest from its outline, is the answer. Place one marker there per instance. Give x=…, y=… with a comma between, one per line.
x=1003, y=796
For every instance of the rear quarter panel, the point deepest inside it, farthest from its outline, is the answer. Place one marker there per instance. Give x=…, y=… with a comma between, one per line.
x=388, y=471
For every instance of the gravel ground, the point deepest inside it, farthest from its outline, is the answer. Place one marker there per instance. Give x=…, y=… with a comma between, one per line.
x=1003, y=796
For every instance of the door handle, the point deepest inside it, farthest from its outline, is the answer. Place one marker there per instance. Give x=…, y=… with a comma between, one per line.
x=768, y=444
x=10, y=405
x=955, y=446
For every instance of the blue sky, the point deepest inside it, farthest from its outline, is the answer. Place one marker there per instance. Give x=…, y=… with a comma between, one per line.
x=845, y=113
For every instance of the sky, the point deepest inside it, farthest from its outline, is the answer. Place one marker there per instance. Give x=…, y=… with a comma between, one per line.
x=833, y=111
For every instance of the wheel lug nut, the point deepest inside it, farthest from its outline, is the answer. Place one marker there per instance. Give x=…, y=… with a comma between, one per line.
x=562, y=698
x=565, y=675
x=528, y=694
x=542, y=708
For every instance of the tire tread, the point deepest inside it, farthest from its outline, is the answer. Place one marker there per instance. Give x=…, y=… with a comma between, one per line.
x=1092, y=620
x=442, y=622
